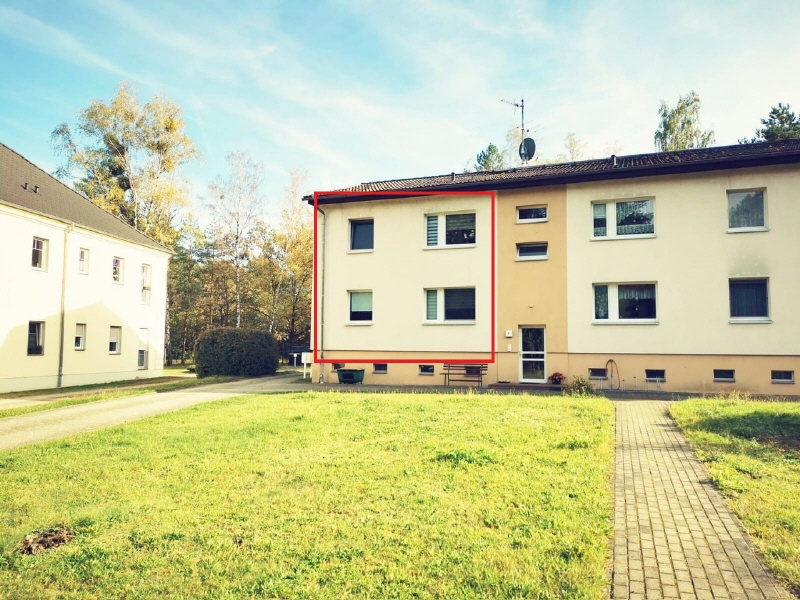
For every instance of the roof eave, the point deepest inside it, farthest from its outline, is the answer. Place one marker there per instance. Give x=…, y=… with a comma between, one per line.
x=716, y=164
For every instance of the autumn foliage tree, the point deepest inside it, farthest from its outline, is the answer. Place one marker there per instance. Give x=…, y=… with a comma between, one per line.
x=126, y=158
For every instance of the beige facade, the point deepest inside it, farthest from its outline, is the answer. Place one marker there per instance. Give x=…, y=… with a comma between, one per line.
x=681, y=281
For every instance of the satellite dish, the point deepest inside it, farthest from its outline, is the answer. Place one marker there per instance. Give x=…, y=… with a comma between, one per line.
x=526, y=149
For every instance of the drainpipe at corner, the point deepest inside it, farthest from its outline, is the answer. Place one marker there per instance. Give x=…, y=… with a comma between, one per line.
x=322, y=298
x=67, y=231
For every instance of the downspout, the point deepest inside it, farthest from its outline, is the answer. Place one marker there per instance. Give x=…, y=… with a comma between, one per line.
x=67, y=231
x=322, y=297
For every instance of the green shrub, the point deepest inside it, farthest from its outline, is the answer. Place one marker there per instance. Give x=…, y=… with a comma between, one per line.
x=236, y=352
x=579, y=386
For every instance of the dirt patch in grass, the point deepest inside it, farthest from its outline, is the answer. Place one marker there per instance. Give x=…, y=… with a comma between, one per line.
x=39, y=541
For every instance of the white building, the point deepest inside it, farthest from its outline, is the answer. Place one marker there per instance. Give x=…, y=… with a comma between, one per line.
x=83, y=295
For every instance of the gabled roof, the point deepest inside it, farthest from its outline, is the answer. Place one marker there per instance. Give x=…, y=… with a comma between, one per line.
x=613, y=167
x=54, y=199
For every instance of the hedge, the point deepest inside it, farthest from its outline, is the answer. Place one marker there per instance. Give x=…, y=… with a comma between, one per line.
x=237, y=352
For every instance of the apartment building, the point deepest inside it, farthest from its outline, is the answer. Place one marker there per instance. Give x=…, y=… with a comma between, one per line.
x=675, y=271
x=84, y=294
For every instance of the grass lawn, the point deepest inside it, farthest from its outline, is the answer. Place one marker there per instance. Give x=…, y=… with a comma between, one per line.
x=752, y=450
x=82, y=396
x=321, y=495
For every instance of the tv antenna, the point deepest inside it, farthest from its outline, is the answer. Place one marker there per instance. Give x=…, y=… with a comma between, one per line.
x=527, y=146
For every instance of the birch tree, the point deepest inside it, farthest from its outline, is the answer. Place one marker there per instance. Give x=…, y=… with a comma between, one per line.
x=237, y=203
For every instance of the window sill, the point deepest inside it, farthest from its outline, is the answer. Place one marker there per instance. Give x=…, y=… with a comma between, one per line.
x=609, y=238
x=117, y=282
x=598, y=378
x=746, y=229
x=358, y=323
x=530, y=258
x=724, y=381
x=448, y=322
x=626, y=322
x=449, y=246
x=365, y=251
x=40, y=269
x=782, y=382
x=427, y=374
x=749, y=320
x=524, y=221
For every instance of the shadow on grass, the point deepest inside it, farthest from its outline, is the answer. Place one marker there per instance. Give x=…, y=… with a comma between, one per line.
x=780, y=430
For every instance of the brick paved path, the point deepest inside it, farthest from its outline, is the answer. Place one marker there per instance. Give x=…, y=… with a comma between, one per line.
x=674, y=535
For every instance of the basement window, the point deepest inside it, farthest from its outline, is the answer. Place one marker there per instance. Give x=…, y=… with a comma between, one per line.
x=658, y=375
x=598, y=373
x=426, y=370
x=380, y=368
x=782, y=376
x=725, y=375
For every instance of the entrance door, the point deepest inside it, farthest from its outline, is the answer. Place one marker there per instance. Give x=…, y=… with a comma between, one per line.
x=531, y=355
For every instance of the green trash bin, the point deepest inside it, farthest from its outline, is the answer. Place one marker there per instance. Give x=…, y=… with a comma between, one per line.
x=351, y=375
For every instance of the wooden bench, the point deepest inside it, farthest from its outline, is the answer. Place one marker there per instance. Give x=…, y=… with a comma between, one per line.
x=471, y=373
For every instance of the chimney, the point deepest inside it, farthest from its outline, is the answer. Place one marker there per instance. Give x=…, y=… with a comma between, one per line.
x=613, y=160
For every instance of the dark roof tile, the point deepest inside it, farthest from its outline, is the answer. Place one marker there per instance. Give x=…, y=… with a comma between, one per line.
x=54, y=199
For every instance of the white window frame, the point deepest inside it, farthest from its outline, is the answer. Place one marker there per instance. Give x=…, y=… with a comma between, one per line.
x=613, y=304
x=604, y=376
x=611, y=215
x=117, y=270
x=39, y=333
x=544, y=256
x=83, y=261
x=358, y=323
x=537, y=220
x=380, y=368
x=441, y=229
x=764, y=227
x=440, y=307
x=80, y=336
x=351, y=224
x=752, y=319
x=115, y=331
x=41, y=264
x=147, y=276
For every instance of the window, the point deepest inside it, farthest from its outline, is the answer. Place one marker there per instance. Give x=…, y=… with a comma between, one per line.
x=531, y=214
x=658, y=375
x=724, y=375
x=39, y=254
x=361, y=306
x=380, y=368
x=146, y=272
x=144, y=343
x=749, y=300
x=632, y=218
x=532, y=251
x=362, y=234
x=746, y=211
x=35, y=338
x=426, y=370
x=625, y=302
x=450, y=304
x=115, y=340
x=83, y=261
x=116, y=270
x=782, y=376
x=80, y=336
x=458, y=230
x=337, y=366
x=598, y=373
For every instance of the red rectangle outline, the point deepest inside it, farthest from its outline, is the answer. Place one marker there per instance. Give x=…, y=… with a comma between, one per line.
x=396, y=194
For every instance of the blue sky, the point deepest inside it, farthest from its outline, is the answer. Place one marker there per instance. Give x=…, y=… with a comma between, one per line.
x=356, y=90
